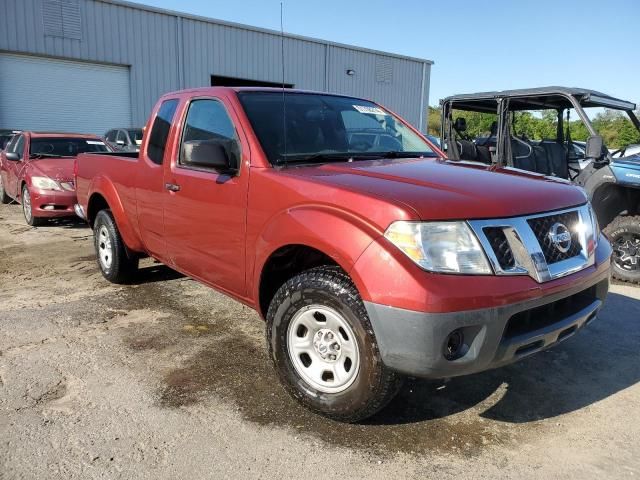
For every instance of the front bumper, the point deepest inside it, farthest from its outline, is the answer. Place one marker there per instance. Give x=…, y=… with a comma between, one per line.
x=52, y=204
x=415, y=343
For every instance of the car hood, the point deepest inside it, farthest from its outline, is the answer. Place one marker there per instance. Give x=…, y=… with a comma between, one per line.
x=632, y=161
x=60, y=169
x=444, y=190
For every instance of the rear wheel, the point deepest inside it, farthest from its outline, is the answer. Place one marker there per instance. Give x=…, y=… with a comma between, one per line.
x=324, y=349
x=4, y=198
x=624, y=235
x=115, y=263
x=27, y=209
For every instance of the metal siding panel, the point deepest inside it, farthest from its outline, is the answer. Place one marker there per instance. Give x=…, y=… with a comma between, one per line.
x=147, y=41
x=88, y=98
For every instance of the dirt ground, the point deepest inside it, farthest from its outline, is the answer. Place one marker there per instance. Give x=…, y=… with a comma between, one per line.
x=169, y=379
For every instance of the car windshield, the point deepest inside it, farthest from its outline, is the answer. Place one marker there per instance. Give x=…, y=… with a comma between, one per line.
x=4, y=140
x=322, y=128
x=135, y=135
x=64, y=147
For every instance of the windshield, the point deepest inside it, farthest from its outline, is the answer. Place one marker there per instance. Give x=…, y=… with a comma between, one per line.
x=618, y=128
x=64, y=147
x=135, y=135
x=326, y=127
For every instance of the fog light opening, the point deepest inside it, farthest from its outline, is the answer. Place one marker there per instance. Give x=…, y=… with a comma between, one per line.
x=453, y=347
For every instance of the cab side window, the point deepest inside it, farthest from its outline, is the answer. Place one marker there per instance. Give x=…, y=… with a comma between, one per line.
x=160, y=131
x=121, y=139
x=209, y=139
x=111, y=136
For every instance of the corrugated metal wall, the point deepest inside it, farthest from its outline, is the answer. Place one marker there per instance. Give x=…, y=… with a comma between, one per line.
x=167, y=52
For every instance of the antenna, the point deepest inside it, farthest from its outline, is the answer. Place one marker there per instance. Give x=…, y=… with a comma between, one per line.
x=284, y=100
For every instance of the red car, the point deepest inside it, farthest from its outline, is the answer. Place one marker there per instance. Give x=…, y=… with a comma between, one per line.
x=369, y=255
x=36, y=169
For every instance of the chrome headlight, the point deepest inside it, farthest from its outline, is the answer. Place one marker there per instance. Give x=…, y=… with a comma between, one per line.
x=444, y=247
x=45, y=183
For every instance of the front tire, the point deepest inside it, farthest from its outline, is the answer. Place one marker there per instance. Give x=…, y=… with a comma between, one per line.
x=114, y=262
x=27, y=209
x=324, y=349
x=4, y=198
x=624, y=235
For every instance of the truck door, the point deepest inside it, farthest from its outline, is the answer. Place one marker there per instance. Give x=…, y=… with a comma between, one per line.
x=205, y=204
x=150, y=181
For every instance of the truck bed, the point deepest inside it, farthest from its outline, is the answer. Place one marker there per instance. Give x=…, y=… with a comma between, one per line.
x=119, y=169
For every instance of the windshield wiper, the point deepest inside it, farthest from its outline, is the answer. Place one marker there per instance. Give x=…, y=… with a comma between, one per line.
x=398, y=154
x=315, y=158
x=47, y=155
x=349, y=156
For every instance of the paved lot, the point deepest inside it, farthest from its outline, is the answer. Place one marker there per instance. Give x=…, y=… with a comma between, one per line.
x=169, y=379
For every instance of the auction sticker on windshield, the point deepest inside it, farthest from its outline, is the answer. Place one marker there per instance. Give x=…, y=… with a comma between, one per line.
x=369, y=110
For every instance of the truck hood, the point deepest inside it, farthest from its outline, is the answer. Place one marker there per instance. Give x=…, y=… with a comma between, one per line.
x=60, y=169
x=443, y=190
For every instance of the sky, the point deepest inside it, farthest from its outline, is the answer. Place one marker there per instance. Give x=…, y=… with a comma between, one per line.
x=476, y=46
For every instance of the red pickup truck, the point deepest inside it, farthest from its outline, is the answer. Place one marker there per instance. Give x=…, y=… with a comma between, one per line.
x=369, y=255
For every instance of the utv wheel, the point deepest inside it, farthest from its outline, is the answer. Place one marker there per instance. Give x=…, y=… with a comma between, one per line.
x=4, y=198
x=323, y=347
x=115, y=265
x=27, y=209
x=624, y=235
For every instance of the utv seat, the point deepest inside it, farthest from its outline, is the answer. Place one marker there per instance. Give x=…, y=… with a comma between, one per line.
x=557, y=158
x=466, y=147
x=524, y=157
x=468, y=150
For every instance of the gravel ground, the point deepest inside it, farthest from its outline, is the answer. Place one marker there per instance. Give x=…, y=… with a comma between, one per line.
x=169, y=379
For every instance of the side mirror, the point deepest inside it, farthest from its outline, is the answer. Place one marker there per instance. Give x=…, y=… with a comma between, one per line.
x=214, y=153
x=593, y=148
x=12, y=156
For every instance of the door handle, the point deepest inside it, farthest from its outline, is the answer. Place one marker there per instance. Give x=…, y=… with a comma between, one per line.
x=172, y=187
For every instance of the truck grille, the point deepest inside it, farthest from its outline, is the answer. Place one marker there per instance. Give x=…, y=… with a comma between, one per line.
x=541, y=227
x=500, y=246
x=545, y=247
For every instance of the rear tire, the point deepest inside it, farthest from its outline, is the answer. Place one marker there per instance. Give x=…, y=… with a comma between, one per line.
x=624, y=235
x=113, y=260
x=323, y=347
x=4, y=198
x=27, y=209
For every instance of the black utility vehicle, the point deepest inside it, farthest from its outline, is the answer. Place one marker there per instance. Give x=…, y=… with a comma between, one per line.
x=613, y=185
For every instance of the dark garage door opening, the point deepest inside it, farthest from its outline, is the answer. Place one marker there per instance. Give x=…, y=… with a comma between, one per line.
x=218, y=81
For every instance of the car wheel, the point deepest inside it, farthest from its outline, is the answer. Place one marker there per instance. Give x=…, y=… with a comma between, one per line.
x=27, y=209
x=115, y=263
x=323, y=347
x=624, y=235
x=4, y=198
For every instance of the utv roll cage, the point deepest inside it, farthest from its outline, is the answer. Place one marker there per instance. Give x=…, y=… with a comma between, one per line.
x=502, y=103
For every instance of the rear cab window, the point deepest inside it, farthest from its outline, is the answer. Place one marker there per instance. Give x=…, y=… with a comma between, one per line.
x=160, y=130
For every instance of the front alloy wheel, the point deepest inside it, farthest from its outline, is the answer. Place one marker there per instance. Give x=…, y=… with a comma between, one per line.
x=27, y=209
x=4, y=198
x=624, y=235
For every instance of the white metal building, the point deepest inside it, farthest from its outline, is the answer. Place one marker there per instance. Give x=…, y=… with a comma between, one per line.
x=91, y=65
